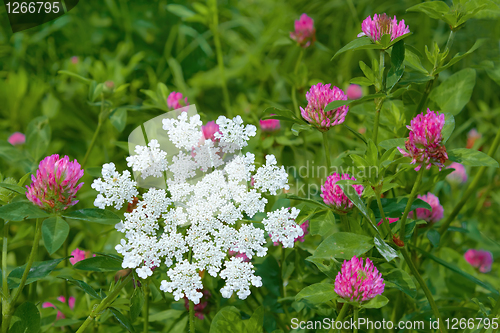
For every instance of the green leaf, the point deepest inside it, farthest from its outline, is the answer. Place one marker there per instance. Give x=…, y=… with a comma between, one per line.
x=356, y=200
x=180, y=10
x=336, y=104
x=83, y=286
x=227, y=320
x=54, y=232
x=359, y=43
x=394, y=207
x=14, y=188
x=255, y=323
x=471, y=157
x=434, y=237
x=314, y=202
x=455, y=92
x=376, y=303
x=38, y=136
x=136, y=303
x=286, y=115
x=76, y=76
x=26, y=319
x=392, y=143
x=455, y=269
x=362, y=81
x=385, y=250
x=322, y=223
x=316, y=294
x=356, y=133
x=397, y=69
x=459, y=56
x=449, y=126
x=119, y=119
x=99, y=264
x=401, y=280
x=39, y=270
x=124, y=322
x=433, y=9
x=20, y=210
x=297, y=128
x=343, y=245
x=95, y=215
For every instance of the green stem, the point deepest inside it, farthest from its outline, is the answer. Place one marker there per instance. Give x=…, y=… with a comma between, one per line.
x=376, y=122
x=294, y=87
x=341, y=315
x=10, y=304
x=424, y=287
x=220, y=58
x=413, y=194
x=146, y=307
x=471, y=189
x=96, y=133
x=356, y=316
x=98, y=309
x=5, y=287
x=345, y=222
x=326, y=144
x=385, y=221
x=283, y=257
x=449, y=43
x=191, y=317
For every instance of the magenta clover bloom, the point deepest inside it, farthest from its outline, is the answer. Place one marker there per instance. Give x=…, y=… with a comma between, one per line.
x=333, y=195
x=270, y=125
x=357, y=282
x=354, y=92
x=78, y=255
x=55, y=185
x=304, y=33
x=459, y=175
x=391, y=220
x=209, y=130
x=432, y=216
x=60, y=315
x=174, y=100
x=381, y=25
x=424, y=144
x=318, y=97
x=480, y=259
x=17, y=138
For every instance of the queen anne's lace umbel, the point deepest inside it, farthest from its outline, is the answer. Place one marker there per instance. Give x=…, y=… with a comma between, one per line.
x=201, y=215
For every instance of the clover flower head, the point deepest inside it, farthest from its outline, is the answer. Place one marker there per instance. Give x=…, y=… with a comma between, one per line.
x=78, y=255
x=358, y=281
x=17, y=138
x=175, y=101
x=270, y=125
x=60, y=315
x=55, y=186
x=304, y=33
x=318, y=97
x=203, y=212
x=459, y=175
x=354, y=92
x=432, y=216
x=382, y=24
x=424, y=144
x=333, y=195
x=480, y=259
x=209, y=130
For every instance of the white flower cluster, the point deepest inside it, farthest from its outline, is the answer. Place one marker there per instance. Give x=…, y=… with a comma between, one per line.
x=114, y=188
x=149, y=161
x=202, y=218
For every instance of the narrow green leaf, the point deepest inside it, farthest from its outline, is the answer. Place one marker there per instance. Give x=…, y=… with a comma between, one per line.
x=99, y=264
x=76, y=76
x=358, y=44
x=356, y=200
x=54, y=232
x=83, y=286
x=376, y=303
x=401, y=280
x=124, y=321
x=39, y=270
x=336, y=104
x=317, y=293
x=449, y=126
x=21, y=210
x=95, y=215
x=434, y=237
x=385, y=250
x=433, y=9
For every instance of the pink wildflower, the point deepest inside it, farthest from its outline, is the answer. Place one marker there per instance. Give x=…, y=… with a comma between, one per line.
x=459, y=175
x=17, y=138
x=318, y=97
x=391, y=220
x=174, y=100
x=432, y=216
x=358, y=283
x=78, y=255
x=382, y=24
x=424, y=144
x=209, y=130
x=333, y=195
x=354, y=92
x=480, y=259
x=55, y=185
x=74, y=60
x=304, y=33
x=60, y=315
x=270, y=125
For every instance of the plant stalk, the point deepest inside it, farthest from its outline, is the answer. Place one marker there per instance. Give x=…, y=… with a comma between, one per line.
x=96, y=133
x=98, y=309
x=356, y=316
x=385, y=221
x=326, y=144
x=146, y=307
x=191, y=317
x=341, y=316
x=5, y=287
x=424, y=287
x=493, y=313
x=345, y=223
x=294, y=88
x=413, y=194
